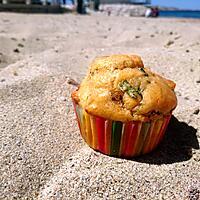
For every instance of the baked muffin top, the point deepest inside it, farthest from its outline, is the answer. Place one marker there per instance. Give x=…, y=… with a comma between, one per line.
x=119, y=87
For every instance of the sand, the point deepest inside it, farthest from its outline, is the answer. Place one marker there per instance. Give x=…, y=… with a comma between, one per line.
x=42, y=154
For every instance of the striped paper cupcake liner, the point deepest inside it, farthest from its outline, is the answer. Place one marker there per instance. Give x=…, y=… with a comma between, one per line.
x=120, y=139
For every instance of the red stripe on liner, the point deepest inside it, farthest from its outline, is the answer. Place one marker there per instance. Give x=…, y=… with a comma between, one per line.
x=127, y=130
x=100, y=125
x=131, y=139
x=164, y=128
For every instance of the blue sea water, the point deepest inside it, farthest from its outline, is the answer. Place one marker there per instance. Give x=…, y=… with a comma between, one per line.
x=180, y=13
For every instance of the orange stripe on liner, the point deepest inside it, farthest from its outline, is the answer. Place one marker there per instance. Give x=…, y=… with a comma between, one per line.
x=88, y=129
x=94, y=132
x=108, y=129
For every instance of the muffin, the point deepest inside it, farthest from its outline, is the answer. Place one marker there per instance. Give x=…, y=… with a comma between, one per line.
x=122, y=107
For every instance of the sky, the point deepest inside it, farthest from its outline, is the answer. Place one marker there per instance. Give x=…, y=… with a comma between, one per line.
x=184, y=4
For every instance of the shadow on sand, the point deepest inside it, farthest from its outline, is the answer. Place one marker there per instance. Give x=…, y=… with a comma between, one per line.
x=177, y=145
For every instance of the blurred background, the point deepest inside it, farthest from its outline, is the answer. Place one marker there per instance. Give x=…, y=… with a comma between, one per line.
x=45, y=49
x=117, y=7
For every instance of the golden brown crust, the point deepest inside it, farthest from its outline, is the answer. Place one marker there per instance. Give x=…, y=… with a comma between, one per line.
x=119, y=87
x=75, y=96
x=115, y=62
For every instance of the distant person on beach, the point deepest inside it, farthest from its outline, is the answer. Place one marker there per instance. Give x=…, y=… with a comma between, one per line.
x=155, y=12
x=148, y=12
x=152, y=12
x=96, y=5
x=80, y=6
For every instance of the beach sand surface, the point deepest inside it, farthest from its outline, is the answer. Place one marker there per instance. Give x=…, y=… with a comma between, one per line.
x=42, y=153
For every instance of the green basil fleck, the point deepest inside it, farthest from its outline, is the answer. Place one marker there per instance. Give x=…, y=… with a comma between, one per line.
x=124, y=85
x=133, y=92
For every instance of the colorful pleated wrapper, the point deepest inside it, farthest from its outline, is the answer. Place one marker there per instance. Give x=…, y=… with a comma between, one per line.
x=120, y=139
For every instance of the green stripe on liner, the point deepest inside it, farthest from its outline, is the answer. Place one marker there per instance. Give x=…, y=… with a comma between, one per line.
x=143, y=135
x=78, y=111
x=116, y=138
